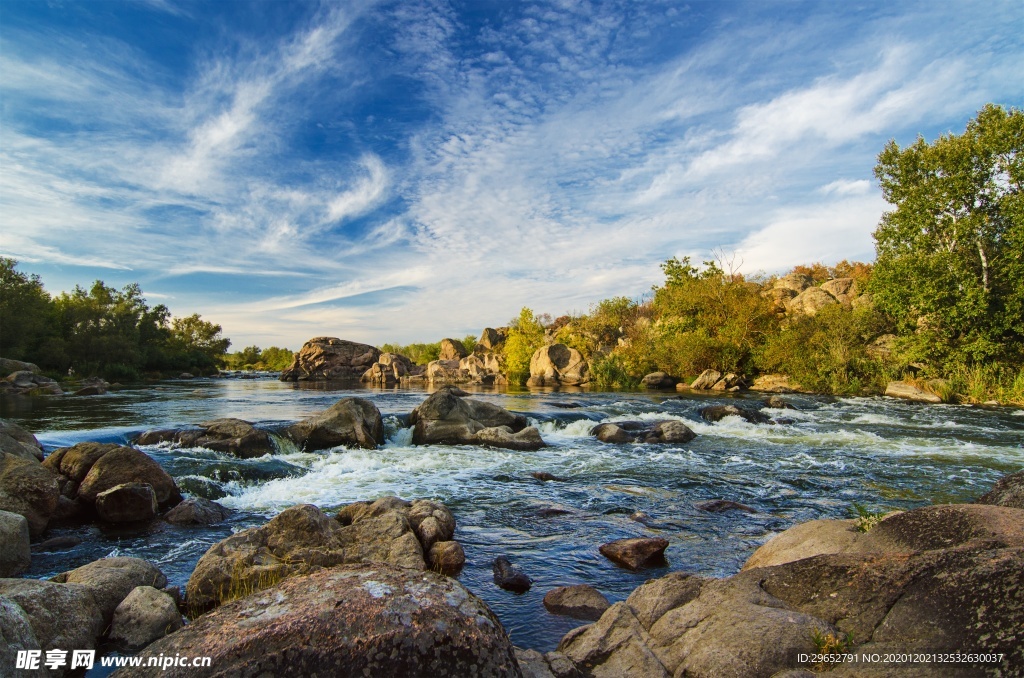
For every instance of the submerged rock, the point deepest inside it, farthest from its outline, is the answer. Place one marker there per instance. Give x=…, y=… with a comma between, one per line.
x=580, y=602
x=722, y=505
x=448, y=417
x=230, y=436
x=715, y=413
x=352, y=620
x=637, y=552
x=655, y=432
x=510, y=577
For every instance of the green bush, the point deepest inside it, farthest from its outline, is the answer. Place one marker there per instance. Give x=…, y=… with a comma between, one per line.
x=525, y=336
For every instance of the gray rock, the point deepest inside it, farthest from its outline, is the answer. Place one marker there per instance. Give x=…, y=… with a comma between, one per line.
x=19, y=442
x=197, y=511
x=16, y=635
x=1009, y=491
x=448, y=417
x=330, y=359
x=810, y=302
x=706, y=380
x=352, y=620
x=901, y=389
x=659, y=380
x=350, y=421
x=669, y=431
x=61, y=616
x=556, y=365
x=144, y=616
x=28, y=489
x=15, y=551
x=110, y=580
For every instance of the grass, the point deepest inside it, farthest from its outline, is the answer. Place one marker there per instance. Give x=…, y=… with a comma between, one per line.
x=867, y=519
x=829, y=643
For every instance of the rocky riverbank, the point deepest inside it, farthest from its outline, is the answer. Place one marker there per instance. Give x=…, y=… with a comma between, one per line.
x=938, y=578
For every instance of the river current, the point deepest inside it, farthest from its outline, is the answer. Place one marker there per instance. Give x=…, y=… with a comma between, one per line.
x=836, y=453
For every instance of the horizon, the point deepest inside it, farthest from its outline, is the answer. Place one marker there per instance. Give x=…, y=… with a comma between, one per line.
x=401, y=172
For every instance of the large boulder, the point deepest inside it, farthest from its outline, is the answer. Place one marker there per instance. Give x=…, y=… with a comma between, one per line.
x=1009, y=491
x=28, y=489
x=580, y=601
x=446, y=372
x=87, y=469
x=901, y=389
x=145, y=615
x=302, y=539
x=843, y=290
x=26, y=382
x=19, y=442
x=350, y=421
x=16, y=636
x=775, y=383
x=231, y=436
x=796, y=282
x=389, y=370
x=197, y=511
x=483, y=368
x=61, y=616
x=9, y=366
x=715, y=413
x=810, y=302
x=936, y=579
x=354, y=620
x=110, y=580
x=557, y=364
x=452, y=349
x=330, y=359
x=778, y=297
x=491, y=340
x=448, y=417
x=706, y=380
x=637, y=552
x=15, y=551
x=659, y=380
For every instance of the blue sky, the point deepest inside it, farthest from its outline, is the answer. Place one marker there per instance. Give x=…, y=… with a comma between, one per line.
x=404, y=171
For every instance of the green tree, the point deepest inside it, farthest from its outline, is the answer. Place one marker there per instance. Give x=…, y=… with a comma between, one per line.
x=25, y=312
x=525, y=336
x=275, y=358
x=200, y=340
x=950, y=255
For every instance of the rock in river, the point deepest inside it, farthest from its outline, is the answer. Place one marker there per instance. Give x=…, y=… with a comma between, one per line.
x=330, y=358
x=580, y=601
x=636, y=553
x=350, y=421
x=510, y=577
x=448, y=417
x=373, y=620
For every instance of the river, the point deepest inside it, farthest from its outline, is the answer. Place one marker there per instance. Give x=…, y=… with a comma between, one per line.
x=836, y=453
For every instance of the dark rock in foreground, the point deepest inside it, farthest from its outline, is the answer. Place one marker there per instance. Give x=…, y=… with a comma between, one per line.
x=637, y=552
x=15, y=552
x=510, y=577
x=1009, y=491
x=230, y=436
x=347, y=621
x=87, y=469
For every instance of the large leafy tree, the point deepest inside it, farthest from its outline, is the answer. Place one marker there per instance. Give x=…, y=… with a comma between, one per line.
x=950, y=255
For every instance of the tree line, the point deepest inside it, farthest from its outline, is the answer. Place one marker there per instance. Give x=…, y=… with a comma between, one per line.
x=102, y=331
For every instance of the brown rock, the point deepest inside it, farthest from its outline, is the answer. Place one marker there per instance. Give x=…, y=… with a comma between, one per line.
x=19, y=442
x=657, y=432
x=722, y=505
x=113, y=465
x=28, y=489
x=797, y=282
x=330, y=358
x=617, y=645
x=452, y=349
x=15, y=552
x=197, y=511
x=510, y=577
x=636, y=553
x=659, y=380
x=60, y=616
x=127, y=503
x=350, y=421
x=144, y=616
x=447, y=557
x=491, y=339
x=901, y=389
x=706, y=380
x=389, y=370
x=844, y=290
x=775, y=383
x=448, y=417
x=1009, y=492
x=17, y=636
x=714, y=413
x=558, y=364
x=110, y=580
x=810, y=302
x=580, y=601
x=353, y=620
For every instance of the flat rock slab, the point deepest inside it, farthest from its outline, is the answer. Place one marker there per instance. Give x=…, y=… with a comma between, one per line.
x=581, y=601
x=636, y=553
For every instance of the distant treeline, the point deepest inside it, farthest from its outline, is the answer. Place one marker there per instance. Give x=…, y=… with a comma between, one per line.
x=101, y=331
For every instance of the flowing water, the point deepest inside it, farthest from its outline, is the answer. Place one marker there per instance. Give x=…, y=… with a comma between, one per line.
x=836, y=453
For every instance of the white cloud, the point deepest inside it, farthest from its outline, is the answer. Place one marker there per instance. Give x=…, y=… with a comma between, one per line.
x=364, y=195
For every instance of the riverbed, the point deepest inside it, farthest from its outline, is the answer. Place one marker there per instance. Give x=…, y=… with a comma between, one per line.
x=832, y=455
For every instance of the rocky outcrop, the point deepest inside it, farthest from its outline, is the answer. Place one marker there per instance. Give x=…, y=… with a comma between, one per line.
x=901, y=389
x=350, y=421
x=19, y=442
x=452, y=349
x=936, y=579
x=231, y=436
x=558, y=365
x=389, y=370
x=28, y=489
x=843, y=290
x=533, y=664
x=145, y=615
x=86, y=470
x=1009, y=492
x=9, y=366
x=15, y=551
x=477, y=368
x=330, y=359
x=359, y=619
x=197, y=511
x=706, y=380
x=795, y=282
x=110, y=580
x=715, y=413
x=25, y=382
x=775, y=383
x=731, y=382
x=580, y=602
x=810, y=302
x=491, y=340
x=302, y=539
x=659, y=380
x=637, y=552
x=653, y=432
x=448, y=417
